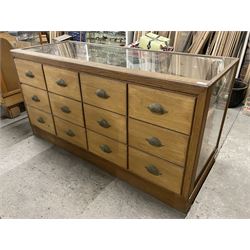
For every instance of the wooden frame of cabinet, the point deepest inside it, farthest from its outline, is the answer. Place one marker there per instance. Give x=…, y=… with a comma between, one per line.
x=201, y=91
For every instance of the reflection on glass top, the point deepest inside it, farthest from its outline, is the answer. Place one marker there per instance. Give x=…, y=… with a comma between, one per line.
x=196, y=67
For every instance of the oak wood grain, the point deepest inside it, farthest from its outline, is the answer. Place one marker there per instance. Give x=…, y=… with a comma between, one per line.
x=12, y=100
x=173, y=145
x=75, y=114
x=118, y=154
x=170, y=175
x=36, y=98
x=9, y=78
x=115, y=90
x=69, y=78
x=179, y=108
x=117, y=127
x=70, y=132
x=25, y=66
x=46, y=121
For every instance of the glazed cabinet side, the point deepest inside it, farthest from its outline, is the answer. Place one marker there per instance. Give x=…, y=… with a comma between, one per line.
x=215, y=106
x=195, y=141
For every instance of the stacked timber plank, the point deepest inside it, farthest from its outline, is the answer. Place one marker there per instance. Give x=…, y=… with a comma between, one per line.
x=215, y=43
x=182, y=40
x=199, y=41
x=226, y=43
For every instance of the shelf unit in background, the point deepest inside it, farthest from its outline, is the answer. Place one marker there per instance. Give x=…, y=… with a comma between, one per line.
x=95, y=36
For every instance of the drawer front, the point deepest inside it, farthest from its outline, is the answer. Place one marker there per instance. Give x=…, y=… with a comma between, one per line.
x=164, y=143
x=41, y=120
x=63, y=82
x=30, y=73
x=162, y=108
x=106, y=123
x=107, y=148
x=67, y=109
x=70, y=132
x=36, y=98
x=104, y=93
x=155, y=170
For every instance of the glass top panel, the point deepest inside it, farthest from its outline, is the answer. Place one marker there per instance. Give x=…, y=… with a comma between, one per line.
x=192, y=66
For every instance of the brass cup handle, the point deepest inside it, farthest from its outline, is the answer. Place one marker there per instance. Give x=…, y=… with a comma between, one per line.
x=29, y=74
x=40, y=120
x=70, y=133
x=152, y=169
x=157, y=108
x=102, y=93
x=35, y=98
x=105, y=148
x=103, y=123
x=65, y=109
x=154, y=141
x=61, y=83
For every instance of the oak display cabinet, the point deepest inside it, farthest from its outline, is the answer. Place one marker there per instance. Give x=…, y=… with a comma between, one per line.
x=153, y=119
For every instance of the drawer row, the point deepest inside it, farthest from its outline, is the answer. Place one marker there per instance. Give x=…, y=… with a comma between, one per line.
x=143, y=129
x=64, y=129
x=162, y=108
x=147, y=166
x=158, y=141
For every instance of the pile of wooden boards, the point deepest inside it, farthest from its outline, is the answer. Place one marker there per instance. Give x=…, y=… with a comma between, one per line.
x=200, y=39
x=215, y=43
x=226, y=43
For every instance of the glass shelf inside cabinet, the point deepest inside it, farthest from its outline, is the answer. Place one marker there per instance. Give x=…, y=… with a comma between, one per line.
x=199, y=68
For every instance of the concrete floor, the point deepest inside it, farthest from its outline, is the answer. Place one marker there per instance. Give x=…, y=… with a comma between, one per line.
x=39, y=180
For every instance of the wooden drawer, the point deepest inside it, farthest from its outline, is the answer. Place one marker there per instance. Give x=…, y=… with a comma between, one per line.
x=106, y=123
x=36, y=98
x=107, y=148
x=163, y=108
x=30, y=73
x=161, y=142
x=104, y=93
x=70, y=132
x=63, y=82
x=156, y=170
x=67, y=109
x=41, y=120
